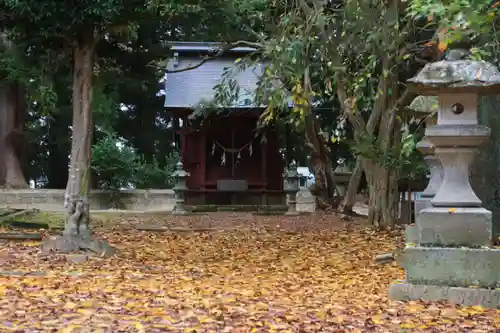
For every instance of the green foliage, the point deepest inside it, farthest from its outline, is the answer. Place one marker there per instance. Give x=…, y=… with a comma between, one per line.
x=411, y=162
x=457, y=18
x=56, y=18
x=32, y=70
x=401, y=156
x=153, y=175
x=114, y=163
x=105, y=108
x=119, y=166
x=471, y=23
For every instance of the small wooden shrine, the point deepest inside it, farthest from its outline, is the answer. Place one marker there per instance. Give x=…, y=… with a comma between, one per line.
x=228, y=164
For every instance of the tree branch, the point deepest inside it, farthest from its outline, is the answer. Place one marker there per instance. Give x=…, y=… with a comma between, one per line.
x=348, y=104
x=219, y=53
x=402, y=49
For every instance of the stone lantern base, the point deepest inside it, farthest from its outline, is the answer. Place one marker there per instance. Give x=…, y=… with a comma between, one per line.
x=470, y=227
x=463, y=276
x=467, y=275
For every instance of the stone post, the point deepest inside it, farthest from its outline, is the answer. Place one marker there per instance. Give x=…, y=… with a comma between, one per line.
x=180, y=176
x=425, y=107
x=454, y=243
x=436, y=175
x=342, y=176
x=292, y=187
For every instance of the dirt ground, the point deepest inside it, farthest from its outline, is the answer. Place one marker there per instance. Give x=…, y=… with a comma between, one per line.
x=246, y=274
x=224, y=221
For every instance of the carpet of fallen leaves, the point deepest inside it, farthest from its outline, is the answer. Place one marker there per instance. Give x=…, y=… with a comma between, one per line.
x=253, y=274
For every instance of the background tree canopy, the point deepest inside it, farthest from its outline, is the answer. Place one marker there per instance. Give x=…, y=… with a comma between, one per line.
x=89, y=74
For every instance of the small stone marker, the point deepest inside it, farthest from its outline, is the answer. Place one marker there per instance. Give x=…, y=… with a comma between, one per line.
x=77, y=258
x=180, y=175
x=292, y=177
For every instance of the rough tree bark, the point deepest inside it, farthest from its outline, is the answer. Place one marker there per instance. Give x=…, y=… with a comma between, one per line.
x=324, y=183
x=349, y=201
x=382, y=180
x=77, y=234
x=361, y=128
x=12, y=141
x=81, y=143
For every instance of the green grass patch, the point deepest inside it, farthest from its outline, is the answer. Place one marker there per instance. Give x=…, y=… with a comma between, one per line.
x=32, y=219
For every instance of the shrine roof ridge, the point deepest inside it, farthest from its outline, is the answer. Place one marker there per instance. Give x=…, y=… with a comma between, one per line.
x=205, y=46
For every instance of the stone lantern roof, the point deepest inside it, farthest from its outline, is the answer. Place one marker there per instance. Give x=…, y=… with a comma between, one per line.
x=456, y=76
x=424, y=104
x=424, y=107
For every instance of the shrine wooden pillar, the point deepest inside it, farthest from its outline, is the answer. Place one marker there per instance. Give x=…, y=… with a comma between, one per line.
x=264, y=164
x=202, y=155
x=264, y=199
x=183, y=134
x=175, y=134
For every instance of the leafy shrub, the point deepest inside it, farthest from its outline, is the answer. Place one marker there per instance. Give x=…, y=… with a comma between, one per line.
x=155, y=176
x=114, y=163
x=118, y=166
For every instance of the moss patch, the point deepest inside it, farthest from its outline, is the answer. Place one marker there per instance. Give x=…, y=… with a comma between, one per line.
x=43, y=220
x=33, y=220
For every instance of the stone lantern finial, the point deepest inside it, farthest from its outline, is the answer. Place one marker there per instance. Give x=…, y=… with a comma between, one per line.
x=457, y=54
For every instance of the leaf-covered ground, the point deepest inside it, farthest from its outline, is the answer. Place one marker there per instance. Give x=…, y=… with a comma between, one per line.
x=254, y=274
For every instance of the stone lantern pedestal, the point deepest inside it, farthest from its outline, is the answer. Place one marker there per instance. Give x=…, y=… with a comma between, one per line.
x=180, y=188
x=292, y=177
x=453, y=258
x=342, y=176
x=436, y=177
x=426, y=107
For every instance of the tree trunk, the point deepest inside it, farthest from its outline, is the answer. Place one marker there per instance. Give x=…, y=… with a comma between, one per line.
x=352, y=189
x=381, y=179
x=81, y=144
x=11, y=136
x=77, y=235
x=383, y=196
x=324, y=185
x=384, y=180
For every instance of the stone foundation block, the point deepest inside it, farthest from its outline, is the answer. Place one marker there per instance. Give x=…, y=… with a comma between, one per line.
x=455, y=226
x=421, y=204
x=411, y=234
x=461, y=267
x=404, y=291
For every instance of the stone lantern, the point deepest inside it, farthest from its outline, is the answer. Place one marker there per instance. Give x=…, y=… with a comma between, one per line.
x=453, y=249
x=436, y=174
x=292, y=187
x=425, y=106
x=342, y=175
x=180, y=188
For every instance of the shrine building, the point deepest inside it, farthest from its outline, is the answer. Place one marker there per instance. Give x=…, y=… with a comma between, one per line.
x=228, y=163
